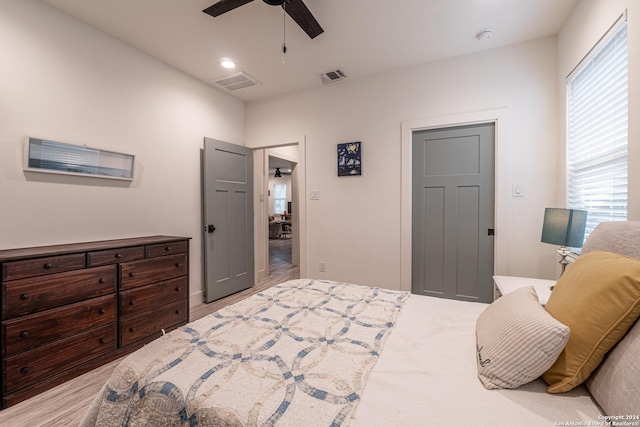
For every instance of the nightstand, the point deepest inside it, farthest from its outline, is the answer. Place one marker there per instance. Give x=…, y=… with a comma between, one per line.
x=505, y=284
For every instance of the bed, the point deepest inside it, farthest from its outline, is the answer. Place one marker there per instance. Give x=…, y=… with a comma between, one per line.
x=322, y=353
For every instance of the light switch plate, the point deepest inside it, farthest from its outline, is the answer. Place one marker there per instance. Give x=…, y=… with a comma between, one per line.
x=517, y=190
x=315, y=194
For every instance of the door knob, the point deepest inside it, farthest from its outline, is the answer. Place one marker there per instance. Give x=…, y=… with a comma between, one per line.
x=211, y=228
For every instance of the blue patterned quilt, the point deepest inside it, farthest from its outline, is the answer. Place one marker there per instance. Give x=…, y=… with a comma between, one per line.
x=297, y=354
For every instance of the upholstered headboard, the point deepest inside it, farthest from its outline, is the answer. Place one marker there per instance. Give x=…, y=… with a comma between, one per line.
x=622, y=237
x=615, y=385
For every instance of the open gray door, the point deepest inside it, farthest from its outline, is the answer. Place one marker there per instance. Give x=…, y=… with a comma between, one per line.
x=228, y=215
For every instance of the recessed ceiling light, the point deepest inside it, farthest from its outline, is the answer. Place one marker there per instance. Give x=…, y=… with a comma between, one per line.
x=227, y=63
x=484, y=35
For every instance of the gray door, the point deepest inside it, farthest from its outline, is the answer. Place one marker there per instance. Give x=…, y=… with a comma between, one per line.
x=453, y=212
x=228, y=215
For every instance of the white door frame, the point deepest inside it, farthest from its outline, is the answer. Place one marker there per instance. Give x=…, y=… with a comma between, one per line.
x=261, y=239
x=500, y=118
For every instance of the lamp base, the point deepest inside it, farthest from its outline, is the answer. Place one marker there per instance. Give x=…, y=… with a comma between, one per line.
x=563, y=258
x=563, y=261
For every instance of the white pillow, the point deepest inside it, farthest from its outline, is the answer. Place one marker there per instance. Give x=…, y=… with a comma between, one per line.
x=517, y=340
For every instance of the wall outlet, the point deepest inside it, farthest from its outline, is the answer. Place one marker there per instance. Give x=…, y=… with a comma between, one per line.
x=323, y=267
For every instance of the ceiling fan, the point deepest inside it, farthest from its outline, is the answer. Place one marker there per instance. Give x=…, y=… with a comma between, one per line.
x=296, y=9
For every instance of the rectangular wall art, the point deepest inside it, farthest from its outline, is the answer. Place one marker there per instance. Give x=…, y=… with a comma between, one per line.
x=57, y=157
x=350, y=159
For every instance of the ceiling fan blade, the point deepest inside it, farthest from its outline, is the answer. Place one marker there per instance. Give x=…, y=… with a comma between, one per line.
x=299, y=12
x=224, y=6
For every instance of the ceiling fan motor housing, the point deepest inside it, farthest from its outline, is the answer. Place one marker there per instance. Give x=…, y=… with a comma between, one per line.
x=275, y=2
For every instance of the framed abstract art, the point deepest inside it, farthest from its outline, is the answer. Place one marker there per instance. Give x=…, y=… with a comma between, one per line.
x=350, y=159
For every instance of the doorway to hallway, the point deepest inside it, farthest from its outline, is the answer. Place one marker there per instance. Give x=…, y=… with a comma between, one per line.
x=280, y=212
x=281, y=201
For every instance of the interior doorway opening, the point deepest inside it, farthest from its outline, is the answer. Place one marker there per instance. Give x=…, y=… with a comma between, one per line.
x=281, y=200
x=280, y=216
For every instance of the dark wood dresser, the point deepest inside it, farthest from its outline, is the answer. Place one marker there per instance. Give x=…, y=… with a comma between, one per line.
x=67, y=309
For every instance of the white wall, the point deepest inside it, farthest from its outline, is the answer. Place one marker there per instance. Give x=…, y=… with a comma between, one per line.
x=65, y=81
x=588, y=22
x=355, y=226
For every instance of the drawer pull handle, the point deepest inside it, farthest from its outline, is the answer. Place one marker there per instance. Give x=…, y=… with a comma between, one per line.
x=167, y=248
x=118, y=255
x=48, y=266
x=132, y=274
x=102, y=311
x=24, y=297
x=178, y=289
x=24, y=334
x=178, y=265
x=178, y=311
x=101, y=280
x=102, y=341
x=24, y=370
x=131, y=329
x=132, y=302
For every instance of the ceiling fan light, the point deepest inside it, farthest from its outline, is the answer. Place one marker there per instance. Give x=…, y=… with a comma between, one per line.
x=278, y=174
x=275, y=2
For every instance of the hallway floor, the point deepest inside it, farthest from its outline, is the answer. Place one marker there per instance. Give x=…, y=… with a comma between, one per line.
x=280, y=269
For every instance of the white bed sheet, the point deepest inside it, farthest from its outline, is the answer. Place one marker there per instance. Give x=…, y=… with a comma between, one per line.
x=426, y=376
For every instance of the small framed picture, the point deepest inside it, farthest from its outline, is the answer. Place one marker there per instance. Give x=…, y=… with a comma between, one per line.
x=350, y=159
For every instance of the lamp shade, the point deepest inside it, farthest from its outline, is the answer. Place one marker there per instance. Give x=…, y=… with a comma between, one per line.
x=564, y=227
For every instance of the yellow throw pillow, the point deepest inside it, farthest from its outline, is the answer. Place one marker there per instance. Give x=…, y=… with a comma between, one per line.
x=598, y=298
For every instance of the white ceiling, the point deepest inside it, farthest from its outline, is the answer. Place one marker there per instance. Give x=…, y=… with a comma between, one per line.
x=361, y=37
x=276, y=162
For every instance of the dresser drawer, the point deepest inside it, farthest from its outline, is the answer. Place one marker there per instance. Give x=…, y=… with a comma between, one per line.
x=162, y=249
x=143, y=272
x=142, y=325
x=147, y=297
x=40, y=293
x=32, y=331
x=34, y=365
x=112, y=256
x=40, y=266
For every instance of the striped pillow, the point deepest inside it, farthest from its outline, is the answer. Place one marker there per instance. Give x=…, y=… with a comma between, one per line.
x=517, y=340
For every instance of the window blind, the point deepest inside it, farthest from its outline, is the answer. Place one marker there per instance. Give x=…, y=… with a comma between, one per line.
x=597, y=123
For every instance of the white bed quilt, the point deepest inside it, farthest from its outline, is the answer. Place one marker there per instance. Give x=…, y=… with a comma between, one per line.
x=427, y=376
x=310, y=353
x=297, y=354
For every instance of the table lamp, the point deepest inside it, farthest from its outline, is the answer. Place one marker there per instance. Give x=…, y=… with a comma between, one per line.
x=564, y=227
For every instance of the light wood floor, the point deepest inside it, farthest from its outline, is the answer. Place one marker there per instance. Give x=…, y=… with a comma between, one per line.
x=66, y=404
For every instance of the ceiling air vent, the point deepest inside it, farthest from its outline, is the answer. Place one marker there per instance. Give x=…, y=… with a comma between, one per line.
x=236, y=81
x=333, y=76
